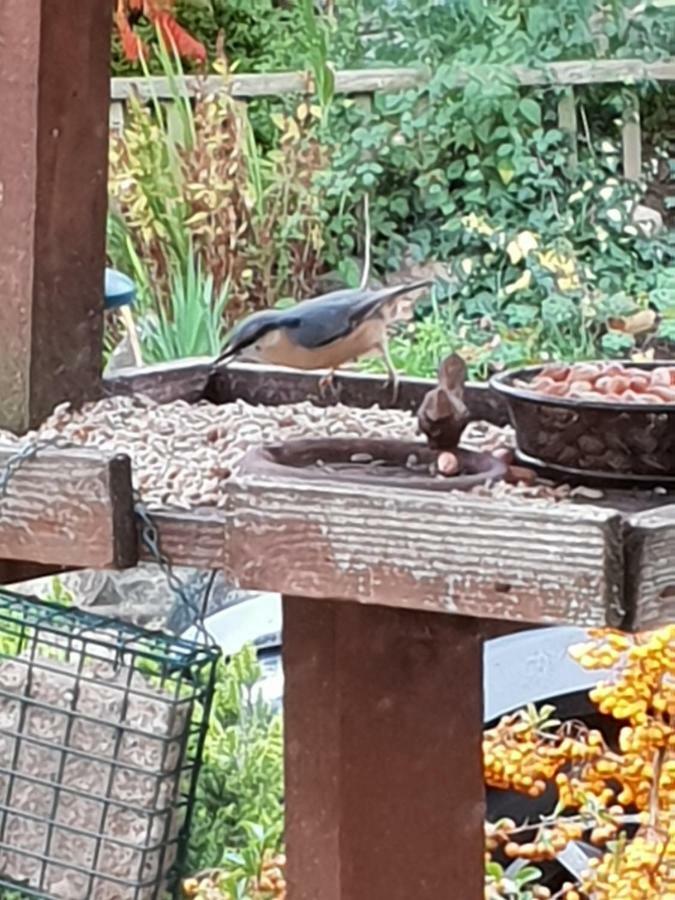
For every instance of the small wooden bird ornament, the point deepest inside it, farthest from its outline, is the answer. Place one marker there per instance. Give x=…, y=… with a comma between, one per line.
x=443, y=415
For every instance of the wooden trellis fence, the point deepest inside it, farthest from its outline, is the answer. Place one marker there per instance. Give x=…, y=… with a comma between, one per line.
x=366, y=82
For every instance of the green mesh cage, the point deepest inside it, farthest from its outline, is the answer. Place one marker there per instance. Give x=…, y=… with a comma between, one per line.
x=102, y=726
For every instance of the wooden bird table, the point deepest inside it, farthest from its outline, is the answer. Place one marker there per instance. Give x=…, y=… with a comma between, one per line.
x=388, y=597
x=387, y=593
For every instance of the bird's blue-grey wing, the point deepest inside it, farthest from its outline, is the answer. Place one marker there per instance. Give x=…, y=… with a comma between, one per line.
x=318, y=323
x=322, y=320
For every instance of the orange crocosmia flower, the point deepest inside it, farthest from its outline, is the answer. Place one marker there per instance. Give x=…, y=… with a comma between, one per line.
x=174, y=35
x=157, y=12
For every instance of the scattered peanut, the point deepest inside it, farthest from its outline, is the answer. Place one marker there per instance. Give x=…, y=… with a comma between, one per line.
x=447, y=464
x=520, y=475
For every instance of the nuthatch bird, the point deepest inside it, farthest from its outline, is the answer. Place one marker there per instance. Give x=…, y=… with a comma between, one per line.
x=323, y=332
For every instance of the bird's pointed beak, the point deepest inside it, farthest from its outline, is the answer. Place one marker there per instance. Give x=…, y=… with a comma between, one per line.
x=223, y=360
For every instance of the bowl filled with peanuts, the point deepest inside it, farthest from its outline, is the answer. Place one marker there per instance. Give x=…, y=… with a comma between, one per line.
x=612, y=422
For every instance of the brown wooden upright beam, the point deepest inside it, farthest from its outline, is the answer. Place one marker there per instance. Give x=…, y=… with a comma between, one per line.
x=383, y=722
x=54, y=90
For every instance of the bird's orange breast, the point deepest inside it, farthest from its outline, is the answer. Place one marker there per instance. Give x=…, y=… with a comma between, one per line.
x=278, y=348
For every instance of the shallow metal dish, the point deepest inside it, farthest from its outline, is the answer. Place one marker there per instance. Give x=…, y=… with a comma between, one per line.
x=344, y=460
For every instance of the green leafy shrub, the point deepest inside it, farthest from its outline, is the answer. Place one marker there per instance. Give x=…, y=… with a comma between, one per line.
x=238, y=813
x=463, y=178
x=457, y=171
x=463, y=168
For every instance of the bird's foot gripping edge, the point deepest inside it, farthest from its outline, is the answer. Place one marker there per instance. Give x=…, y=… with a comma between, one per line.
x=328, y=389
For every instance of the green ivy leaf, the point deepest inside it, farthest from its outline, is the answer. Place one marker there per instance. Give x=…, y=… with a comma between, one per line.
x=506, y=171
x=666, y=330
x=530, y=110
x=284, y=303
x=617, y=345
x=527, y=875
x=455, y=169
x=663, y=299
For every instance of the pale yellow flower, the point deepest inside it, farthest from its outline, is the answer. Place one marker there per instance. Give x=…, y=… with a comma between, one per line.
x=521, y=245
x=472, y=222
x=569, y=283
x=520, y=284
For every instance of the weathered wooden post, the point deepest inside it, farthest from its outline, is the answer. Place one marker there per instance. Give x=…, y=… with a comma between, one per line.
x=54, y=96
x=384, y=781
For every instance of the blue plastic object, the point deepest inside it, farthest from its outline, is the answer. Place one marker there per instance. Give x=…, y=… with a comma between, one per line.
x=119, y=290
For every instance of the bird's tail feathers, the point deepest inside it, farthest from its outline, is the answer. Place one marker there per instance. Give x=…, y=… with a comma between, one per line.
x=395, y=306
x=395, y=290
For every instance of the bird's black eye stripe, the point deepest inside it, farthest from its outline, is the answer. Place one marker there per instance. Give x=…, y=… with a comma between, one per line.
x=251, y=333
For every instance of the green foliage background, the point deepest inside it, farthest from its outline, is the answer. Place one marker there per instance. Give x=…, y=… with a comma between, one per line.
x=457, y=174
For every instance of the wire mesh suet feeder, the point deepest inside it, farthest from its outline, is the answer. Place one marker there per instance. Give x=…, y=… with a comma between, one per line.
x=102, y=727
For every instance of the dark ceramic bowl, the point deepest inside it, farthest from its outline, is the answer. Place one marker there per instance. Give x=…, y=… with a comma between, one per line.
x=400, y=464
x=587, y=440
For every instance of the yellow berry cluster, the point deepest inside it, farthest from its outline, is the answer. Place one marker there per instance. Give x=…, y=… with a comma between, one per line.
x=597, y=785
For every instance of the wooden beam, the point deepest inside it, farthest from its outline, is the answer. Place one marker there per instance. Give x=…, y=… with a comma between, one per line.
x=193, y=380
x=54, y=95
x=116, y=117
x=452, y=553
x=250, y=86
x=272, y=386
x=190, y=538
x=567, y=123
x=15, y=572
x=384, y=789
x=650, y=568
x=366, y=81
x=631, y=138
x=185, y=379
x=69, y=508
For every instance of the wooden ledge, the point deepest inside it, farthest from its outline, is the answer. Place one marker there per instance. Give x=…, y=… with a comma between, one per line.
x=605, y=563
x=69, y=508
x=193, y=379
x=454, y=553
x=650, y=564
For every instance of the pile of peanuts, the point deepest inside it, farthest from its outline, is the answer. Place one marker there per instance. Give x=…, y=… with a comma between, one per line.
x=184, y=454
x=611, y=382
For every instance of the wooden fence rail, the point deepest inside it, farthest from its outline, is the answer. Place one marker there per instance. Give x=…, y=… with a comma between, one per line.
x=369, y=81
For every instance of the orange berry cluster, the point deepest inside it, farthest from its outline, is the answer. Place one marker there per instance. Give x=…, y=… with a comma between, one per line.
x=596, y=784
x=547, y=843
x=272, y=882
x=520, y=755
x=641, y=868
